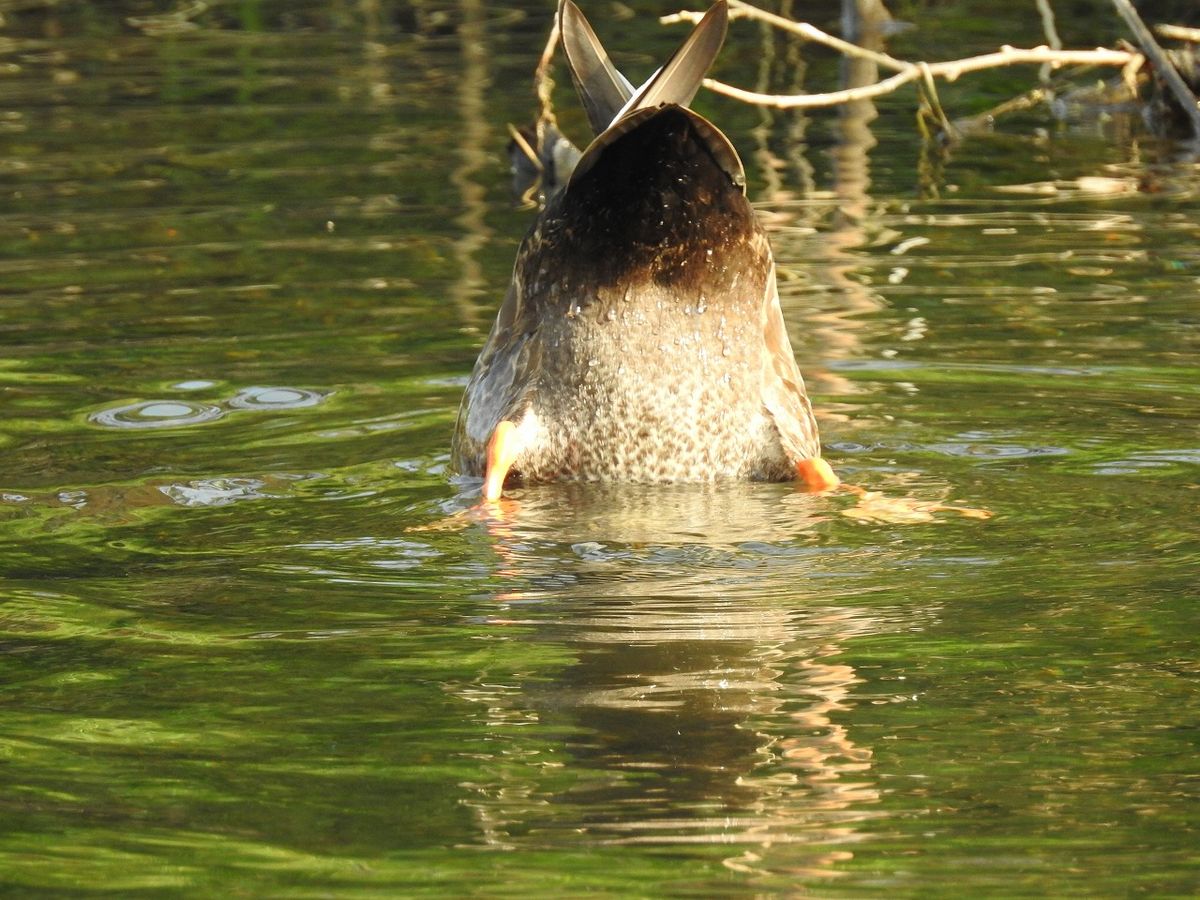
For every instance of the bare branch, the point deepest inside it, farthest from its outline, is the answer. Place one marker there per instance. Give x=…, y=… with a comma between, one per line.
x=741, y=10
x=1179, y=33
x=1048, y=26
x=1031, y=98
x=906, y=72
x=804, y=101
x=1051, y=31
x=950, y=70
x=1162, y=65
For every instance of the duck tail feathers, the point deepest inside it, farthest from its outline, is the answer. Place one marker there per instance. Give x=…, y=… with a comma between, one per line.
x=603, y=90
x=678, y=81
x=613, y=107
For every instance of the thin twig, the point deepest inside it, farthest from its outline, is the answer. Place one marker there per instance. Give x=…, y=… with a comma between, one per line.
x=950, y=70
x=524, y=146
x=543, y=84
x=739, y=9
x=1162, y=65
x=1129, y=73
x=1053, y=41
x=929, y=88
x=1031, y=98
x=1179, y=33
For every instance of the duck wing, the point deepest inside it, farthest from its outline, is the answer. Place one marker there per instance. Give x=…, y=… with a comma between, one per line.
x=784, y=395
x=499, y=382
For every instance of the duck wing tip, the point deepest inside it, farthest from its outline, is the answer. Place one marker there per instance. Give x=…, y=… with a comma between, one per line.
x=603, y=90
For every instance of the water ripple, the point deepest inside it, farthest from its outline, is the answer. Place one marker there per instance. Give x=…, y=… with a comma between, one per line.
x=157, y=414
x=214, y=491
x=275, y=398
x=995, y=451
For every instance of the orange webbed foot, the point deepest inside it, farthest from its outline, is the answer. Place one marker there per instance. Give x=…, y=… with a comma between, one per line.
x=817, y=474
x=502, y=451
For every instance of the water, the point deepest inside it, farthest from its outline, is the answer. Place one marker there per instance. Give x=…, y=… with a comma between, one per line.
x=250, y=646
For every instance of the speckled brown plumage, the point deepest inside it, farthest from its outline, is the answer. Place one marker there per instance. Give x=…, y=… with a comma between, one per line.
x=641, y=338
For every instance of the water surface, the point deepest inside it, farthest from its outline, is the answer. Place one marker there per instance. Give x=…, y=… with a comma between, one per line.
x=248, y=645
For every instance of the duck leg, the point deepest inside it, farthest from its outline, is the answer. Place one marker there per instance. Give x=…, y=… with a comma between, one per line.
x=503, y=448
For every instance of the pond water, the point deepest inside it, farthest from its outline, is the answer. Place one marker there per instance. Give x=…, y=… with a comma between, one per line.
x=249, y=645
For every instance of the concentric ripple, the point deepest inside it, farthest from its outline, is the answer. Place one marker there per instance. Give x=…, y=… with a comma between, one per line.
x=157, y=414
x=275, y=398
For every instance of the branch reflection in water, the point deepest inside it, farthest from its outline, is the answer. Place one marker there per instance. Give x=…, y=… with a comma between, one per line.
x=474, y=152
x=821, y=237
x=697, y=685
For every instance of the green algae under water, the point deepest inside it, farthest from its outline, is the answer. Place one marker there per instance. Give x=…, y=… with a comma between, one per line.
x=247, y=260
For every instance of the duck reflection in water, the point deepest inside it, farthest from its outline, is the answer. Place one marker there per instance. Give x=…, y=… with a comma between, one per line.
x=690, y=685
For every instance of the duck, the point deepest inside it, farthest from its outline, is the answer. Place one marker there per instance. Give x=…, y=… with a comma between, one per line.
x=641, y=337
